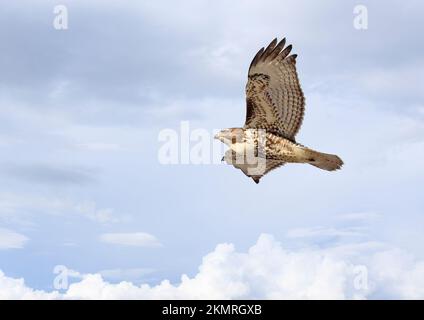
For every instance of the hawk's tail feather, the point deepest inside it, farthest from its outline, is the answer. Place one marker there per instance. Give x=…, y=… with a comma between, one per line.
x=325, y=161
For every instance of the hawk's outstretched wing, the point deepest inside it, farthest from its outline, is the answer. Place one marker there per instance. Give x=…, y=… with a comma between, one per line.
x=274, y=98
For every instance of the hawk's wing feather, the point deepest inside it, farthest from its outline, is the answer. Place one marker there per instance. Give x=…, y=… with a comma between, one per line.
x=270, y=165
x=274, y=98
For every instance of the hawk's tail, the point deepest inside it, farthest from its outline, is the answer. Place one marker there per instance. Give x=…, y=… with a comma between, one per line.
x=325, y=161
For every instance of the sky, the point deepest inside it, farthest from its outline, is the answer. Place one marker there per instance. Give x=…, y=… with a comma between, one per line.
x=89, y=210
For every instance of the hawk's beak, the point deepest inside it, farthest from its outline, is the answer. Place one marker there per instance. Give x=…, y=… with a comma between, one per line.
x=216, y=136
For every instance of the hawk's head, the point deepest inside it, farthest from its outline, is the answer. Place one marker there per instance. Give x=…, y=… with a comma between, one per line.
x=231, y=135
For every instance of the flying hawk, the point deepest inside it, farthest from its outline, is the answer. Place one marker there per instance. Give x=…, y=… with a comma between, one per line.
x=275, y=108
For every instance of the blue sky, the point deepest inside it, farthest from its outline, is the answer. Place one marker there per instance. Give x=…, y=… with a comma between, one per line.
x=81, y=110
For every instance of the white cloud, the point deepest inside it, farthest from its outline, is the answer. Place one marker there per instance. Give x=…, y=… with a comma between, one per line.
x=11, y=288
x=138, y=239
x=11, y=240
x=267, y=271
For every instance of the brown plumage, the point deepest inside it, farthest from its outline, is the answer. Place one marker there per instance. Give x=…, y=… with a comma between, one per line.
x=275, y=107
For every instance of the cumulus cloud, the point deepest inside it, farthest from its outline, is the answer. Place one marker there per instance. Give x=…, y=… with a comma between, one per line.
x=137, y=239
x=11, y=240
x=266, y=271
x=11, y=288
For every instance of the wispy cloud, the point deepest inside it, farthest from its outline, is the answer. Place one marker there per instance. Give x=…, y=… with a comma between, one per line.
x=360, y=216
x=98, y=146
x=19, y=208
x=136, y=239
x=323, y=232
x=92, y=212
x=51, y=174
x=11, y=240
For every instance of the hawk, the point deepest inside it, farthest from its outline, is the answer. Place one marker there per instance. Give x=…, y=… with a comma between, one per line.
x=275, y=106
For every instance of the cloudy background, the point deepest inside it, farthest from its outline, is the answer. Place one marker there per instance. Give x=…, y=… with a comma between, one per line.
x=81, y=185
